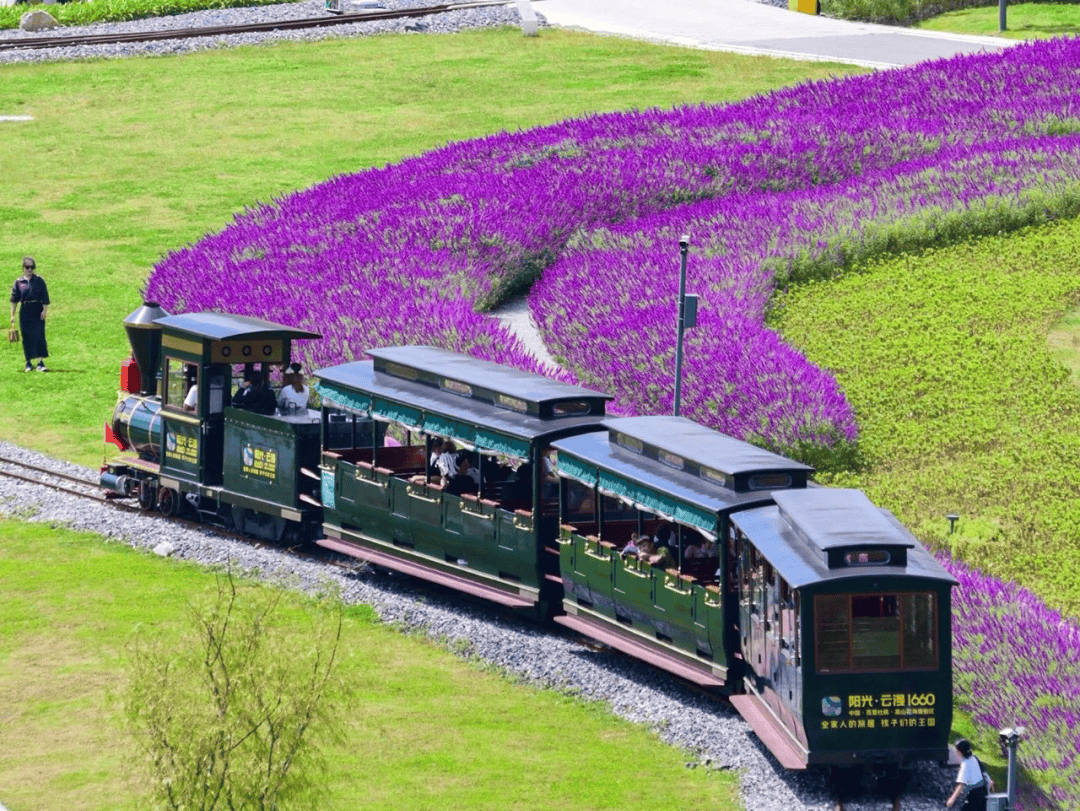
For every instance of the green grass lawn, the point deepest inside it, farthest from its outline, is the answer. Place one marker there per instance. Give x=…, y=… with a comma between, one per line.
x=126, y=160
x=426, y=730
x=963, y=401
x=1022, y=20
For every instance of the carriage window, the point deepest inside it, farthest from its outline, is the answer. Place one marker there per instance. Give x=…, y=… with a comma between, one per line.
x=875, y=632
x=874, y=557
x=179, y=377
x=770, y=481
x=571, y=409
x=580, y=503
x=920, y=630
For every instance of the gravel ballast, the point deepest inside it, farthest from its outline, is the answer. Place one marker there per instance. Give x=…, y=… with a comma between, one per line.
x=445, y=23
x=714, y=735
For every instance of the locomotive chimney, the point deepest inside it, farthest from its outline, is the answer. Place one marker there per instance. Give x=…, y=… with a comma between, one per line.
x=145, y=339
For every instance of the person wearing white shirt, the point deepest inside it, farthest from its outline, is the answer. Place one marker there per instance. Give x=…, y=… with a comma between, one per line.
x=970, y=779
x=294, y=394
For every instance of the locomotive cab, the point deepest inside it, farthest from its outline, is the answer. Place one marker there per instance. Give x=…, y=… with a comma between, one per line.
x=188, y=450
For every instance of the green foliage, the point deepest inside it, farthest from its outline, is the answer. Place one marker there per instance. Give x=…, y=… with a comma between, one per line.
x=233, y=717
x=961, y=405
x=84, y=12
x=907, y=12
x=1036, y=20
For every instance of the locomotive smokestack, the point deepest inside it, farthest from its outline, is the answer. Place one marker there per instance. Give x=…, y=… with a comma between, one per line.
x=145, y=339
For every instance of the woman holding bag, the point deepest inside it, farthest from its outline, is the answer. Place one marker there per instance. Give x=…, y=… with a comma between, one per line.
x=971, y=779
x=30, y=291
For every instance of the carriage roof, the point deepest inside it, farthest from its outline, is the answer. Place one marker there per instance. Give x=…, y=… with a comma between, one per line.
x=823, y=534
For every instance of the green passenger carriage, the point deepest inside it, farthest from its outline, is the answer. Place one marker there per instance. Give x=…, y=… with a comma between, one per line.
x=382, y=504
x=818, y=611
x=845, y=629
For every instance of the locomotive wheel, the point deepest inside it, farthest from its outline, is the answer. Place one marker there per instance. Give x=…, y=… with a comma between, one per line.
x=168, y=502
x=146, y=496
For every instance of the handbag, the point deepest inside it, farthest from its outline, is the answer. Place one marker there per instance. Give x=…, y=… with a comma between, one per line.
x=13, y=335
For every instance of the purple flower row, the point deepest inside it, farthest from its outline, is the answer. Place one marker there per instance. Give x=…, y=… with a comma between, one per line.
x=1017, y=663
x=413, y=252
x=607, y=308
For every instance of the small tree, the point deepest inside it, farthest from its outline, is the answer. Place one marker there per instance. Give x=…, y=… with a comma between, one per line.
x=233, y=717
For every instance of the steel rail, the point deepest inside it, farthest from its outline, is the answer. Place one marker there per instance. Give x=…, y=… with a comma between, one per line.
x=225, y=30
x=119, y=504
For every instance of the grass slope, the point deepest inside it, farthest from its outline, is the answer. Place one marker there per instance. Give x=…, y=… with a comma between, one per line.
x=1022, y=21
x=962, y=405
x=427, y=730
x=126, y=160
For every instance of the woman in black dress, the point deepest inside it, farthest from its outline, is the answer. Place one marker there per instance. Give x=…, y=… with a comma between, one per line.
x=30, y=291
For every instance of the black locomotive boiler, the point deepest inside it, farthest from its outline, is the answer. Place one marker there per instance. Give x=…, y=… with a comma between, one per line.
x=821, y=617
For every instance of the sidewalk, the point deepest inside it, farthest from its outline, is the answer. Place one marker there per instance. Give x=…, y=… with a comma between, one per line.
x=742, y=26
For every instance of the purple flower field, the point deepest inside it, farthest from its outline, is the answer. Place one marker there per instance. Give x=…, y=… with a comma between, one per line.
x=415, y=251
x=1017, y=663
x=586, y=215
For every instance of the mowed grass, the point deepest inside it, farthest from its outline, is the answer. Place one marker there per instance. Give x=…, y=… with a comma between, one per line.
x=1022, y=21
x=426, y=730
x=126, y=160
x=965, y=396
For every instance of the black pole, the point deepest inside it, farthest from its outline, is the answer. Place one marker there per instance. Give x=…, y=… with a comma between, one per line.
x=1001, y=15
x=684, y=246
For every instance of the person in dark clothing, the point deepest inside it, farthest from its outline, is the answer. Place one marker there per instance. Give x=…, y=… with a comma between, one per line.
x=30, y=291
x=467, y=478
x=255, y=395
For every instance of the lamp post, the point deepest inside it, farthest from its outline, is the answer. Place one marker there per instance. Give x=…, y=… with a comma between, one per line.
x=687, y=318
x=1010, y=739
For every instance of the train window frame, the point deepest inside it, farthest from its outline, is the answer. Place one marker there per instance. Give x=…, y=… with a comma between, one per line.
x=760, y=481
x=874, y=557
x=571, y=408
x=176, y=382
x=902, y=616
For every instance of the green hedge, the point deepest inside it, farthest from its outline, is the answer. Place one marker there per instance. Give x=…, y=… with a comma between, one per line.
x=903, y=12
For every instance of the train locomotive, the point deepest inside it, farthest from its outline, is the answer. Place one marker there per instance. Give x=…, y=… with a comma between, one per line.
x=819, y=615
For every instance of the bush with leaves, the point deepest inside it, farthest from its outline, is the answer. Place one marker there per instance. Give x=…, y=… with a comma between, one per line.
x=233, y=716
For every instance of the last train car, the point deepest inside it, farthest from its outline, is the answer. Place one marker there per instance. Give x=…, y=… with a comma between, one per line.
x=382, y=502
x=844, y=628
x=821, y=615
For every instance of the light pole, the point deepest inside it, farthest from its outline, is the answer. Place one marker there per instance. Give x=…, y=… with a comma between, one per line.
x=1010, y=739
x=687, y=318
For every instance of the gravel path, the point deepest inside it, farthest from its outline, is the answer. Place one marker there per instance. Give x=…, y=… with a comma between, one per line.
x=446, y=23
x=715, y=737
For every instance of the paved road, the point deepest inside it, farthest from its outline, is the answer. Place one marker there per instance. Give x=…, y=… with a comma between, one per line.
x=743, y=26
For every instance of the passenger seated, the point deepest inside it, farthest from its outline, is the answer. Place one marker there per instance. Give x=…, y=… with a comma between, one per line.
x=705, y=549
x=467, y=478
x=446, y=463
x=664, y=536
x=433, y=461
x=294, y=392
x=254, y=395
x=519, y=486
x=639, y=545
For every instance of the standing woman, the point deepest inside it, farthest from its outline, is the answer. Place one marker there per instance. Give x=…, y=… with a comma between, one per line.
x=30, y=291
x=971, y=779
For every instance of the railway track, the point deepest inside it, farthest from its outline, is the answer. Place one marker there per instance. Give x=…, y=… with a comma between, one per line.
x=38, y=43
x=91, y=491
